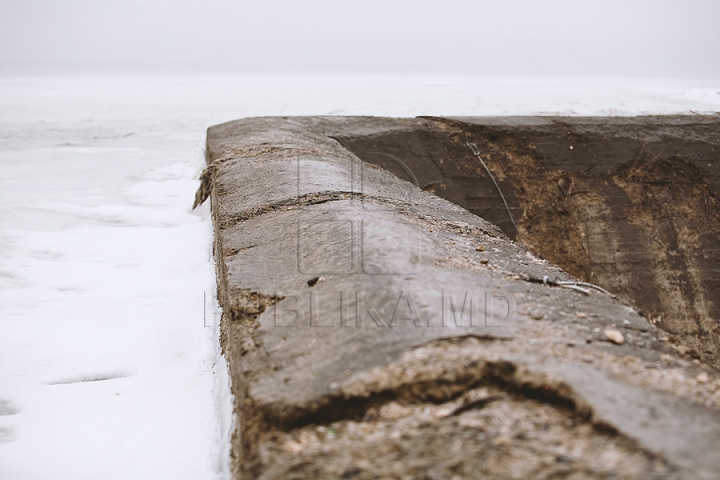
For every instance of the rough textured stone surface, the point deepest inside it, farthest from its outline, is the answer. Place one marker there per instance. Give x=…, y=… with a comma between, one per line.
x=369, y=337
x=627, y=203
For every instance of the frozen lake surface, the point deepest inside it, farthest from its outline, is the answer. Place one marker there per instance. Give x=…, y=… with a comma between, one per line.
x=109, y=360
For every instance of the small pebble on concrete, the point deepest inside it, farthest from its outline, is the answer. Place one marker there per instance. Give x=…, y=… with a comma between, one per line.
x=615, y=336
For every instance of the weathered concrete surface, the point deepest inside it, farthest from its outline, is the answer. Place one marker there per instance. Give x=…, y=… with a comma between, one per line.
x=629, y=203
x=374, y=330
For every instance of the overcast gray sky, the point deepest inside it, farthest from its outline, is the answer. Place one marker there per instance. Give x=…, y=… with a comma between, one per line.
x=628, y=37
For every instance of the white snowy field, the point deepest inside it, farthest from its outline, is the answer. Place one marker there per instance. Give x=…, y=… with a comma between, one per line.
x=109, y=362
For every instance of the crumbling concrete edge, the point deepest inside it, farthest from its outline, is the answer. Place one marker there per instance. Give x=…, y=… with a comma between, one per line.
x=588, y=392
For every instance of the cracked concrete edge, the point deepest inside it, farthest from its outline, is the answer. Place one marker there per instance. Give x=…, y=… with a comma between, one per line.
x=288, y=374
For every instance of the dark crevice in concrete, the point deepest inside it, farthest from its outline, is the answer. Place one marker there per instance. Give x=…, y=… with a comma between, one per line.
x=300, y=201
x=310, y=199
x=500, y=375
x=508, y=382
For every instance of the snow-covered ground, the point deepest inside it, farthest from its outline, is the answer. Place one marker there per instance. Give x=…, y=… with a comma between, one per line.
x=109, y=364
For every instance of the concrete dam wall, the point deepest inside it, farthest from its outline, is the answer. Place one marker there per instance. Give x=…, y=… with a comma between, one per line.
x=380, y=321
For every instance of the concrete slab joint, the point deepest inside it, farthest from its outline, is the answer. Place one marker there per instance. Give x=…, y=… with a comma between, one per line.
x=376, y=327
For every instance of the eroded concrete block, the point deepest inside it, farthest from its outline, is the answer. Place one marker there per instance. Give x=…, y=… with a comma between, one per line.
x=375, y=330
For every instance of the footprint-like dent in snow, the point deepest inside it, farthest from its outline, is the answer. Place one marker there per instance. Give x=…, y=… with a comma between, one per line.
x=7, y=408
x=127, y=265
x=46, y=255
x=70, y=289
x=100, y=377
x=6, y=435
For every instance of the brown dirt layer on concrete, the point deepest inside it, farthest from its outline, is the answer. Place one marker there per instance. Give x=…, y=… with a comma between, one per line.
x=628, y=204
